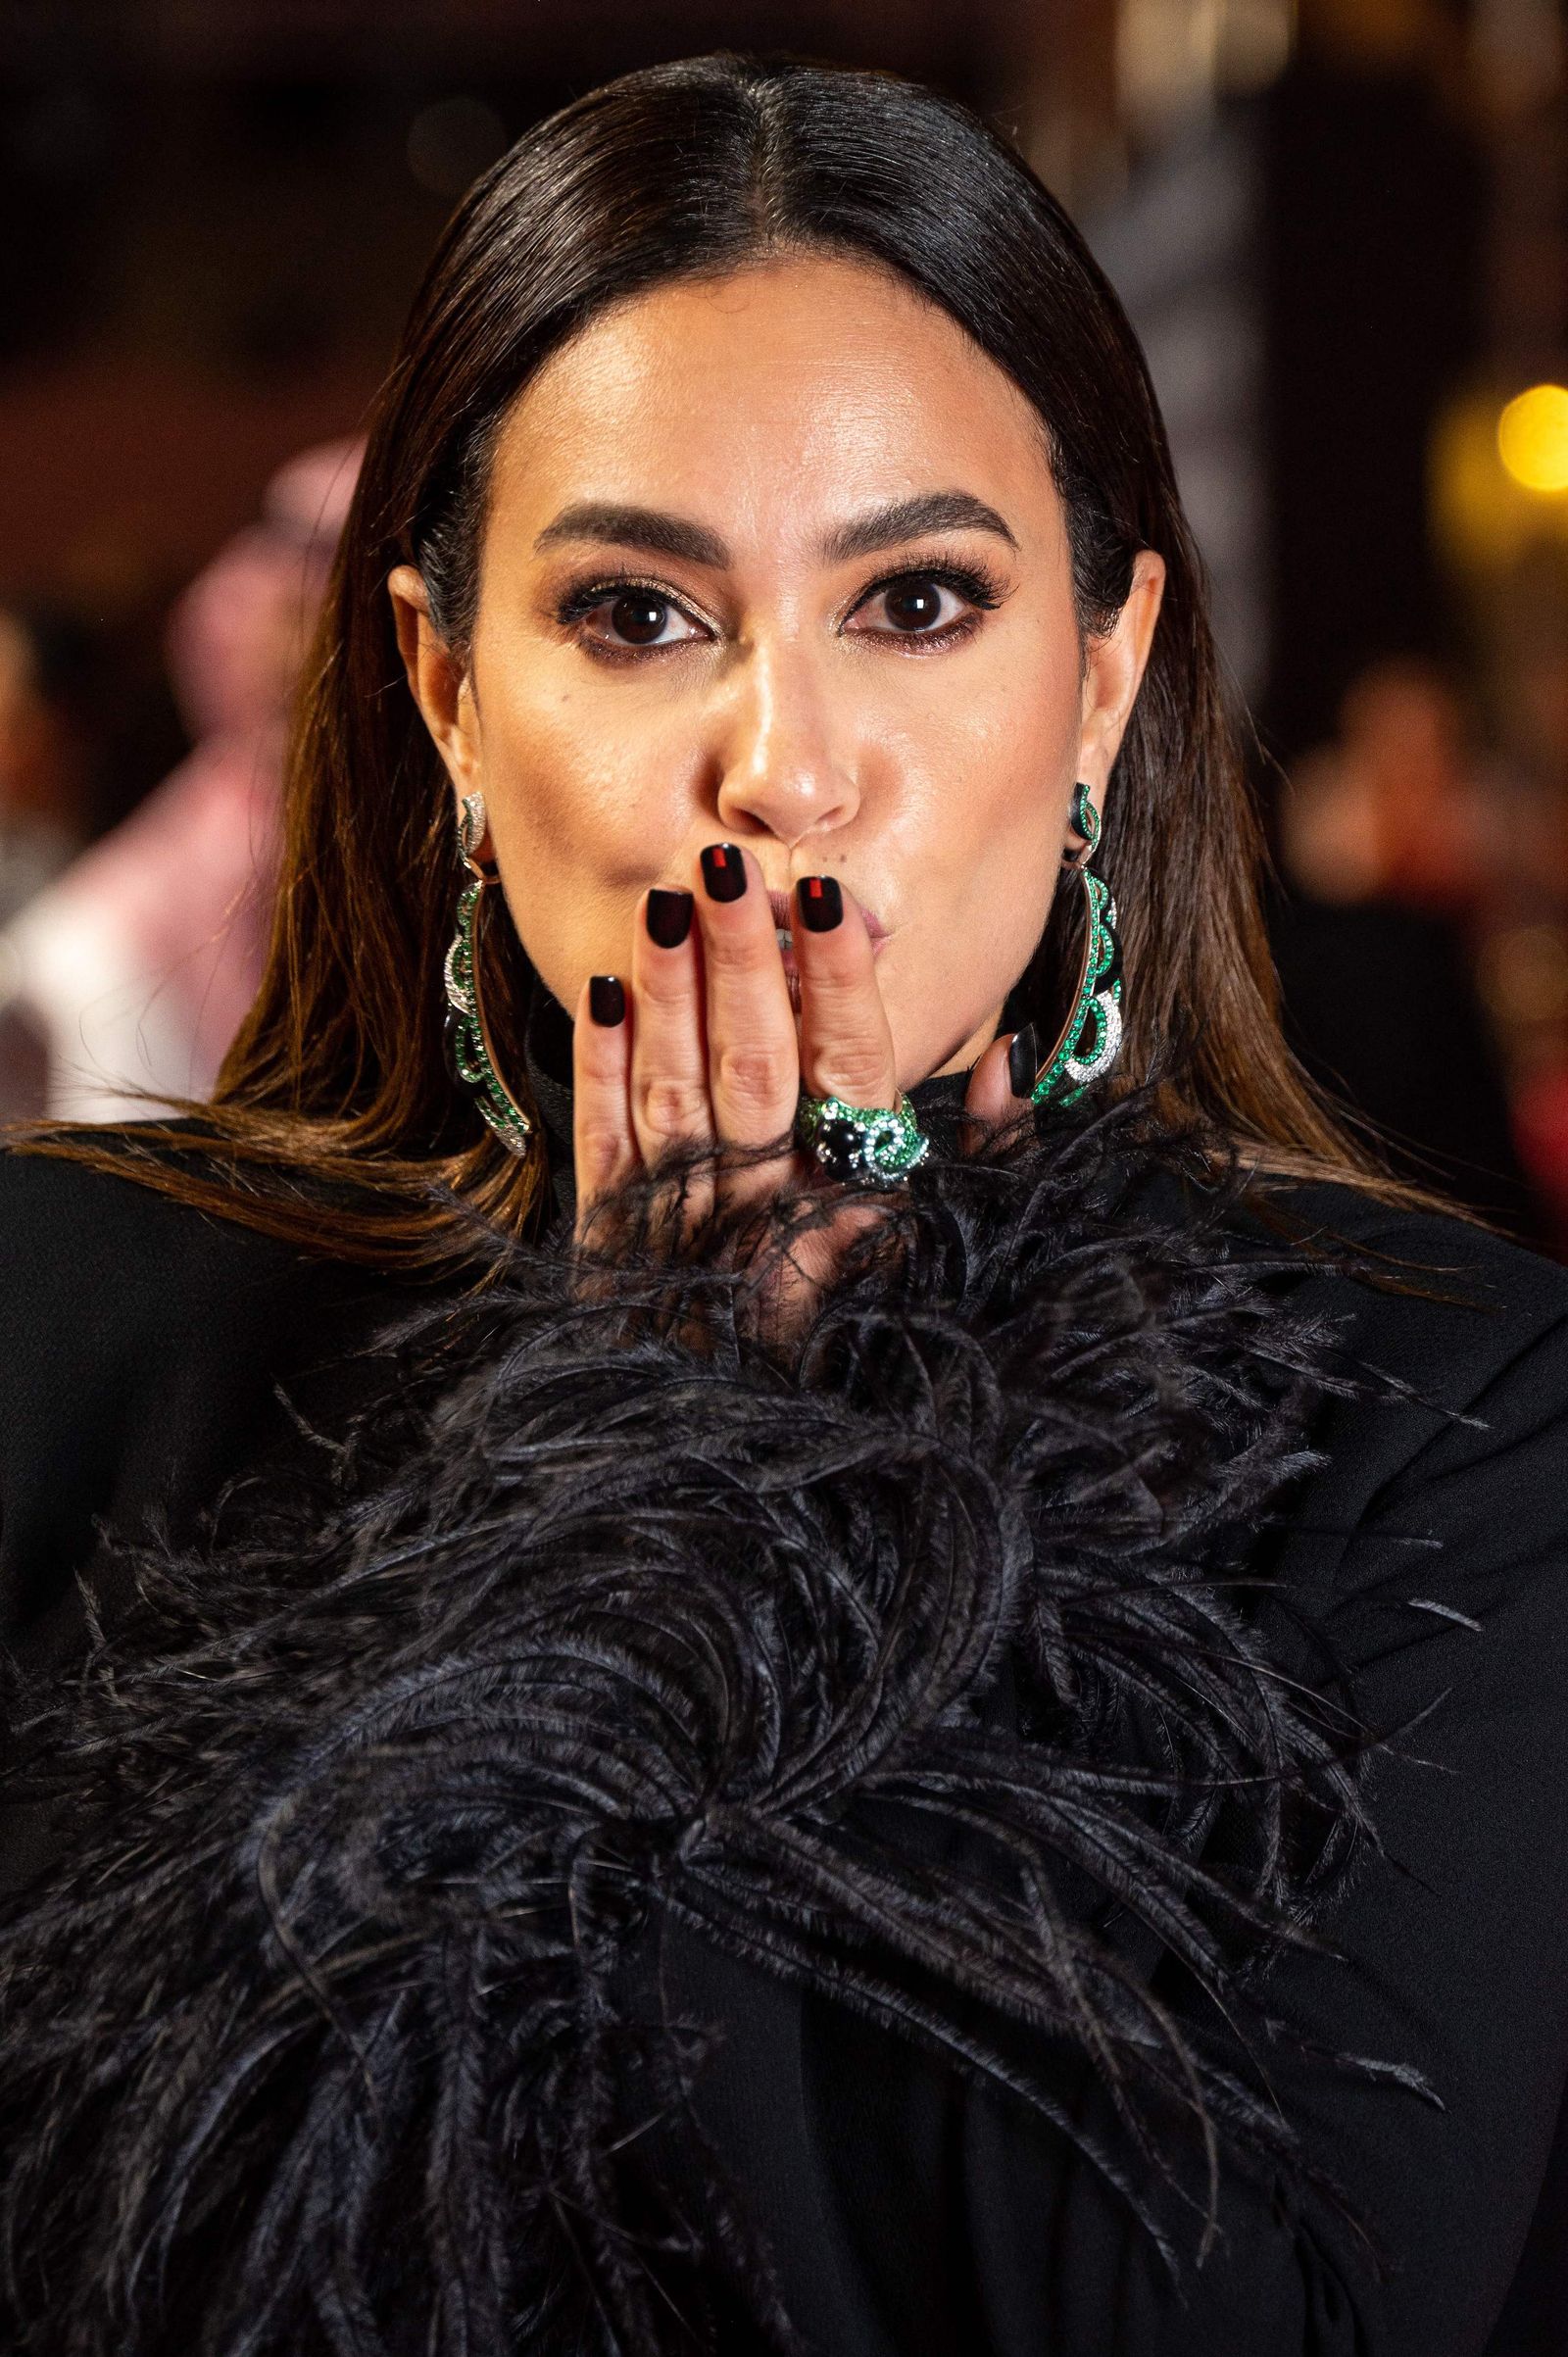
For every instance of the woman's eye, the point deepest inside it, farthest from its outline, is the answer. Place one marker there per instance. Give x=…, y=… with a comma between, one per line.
x=922, y=608
x=916, y=605
x=639, y=618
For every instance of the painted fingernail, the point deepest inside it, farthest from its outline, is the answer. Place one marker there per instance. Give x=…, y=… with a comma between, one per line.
x=723, y=871
x=820, y=903
x=1023, y=1060
x=670, y=917
x=606, y=1000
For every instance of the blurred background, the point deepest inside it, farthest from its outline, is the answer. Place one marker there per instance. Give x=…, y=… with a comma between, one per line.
x=1339, y=225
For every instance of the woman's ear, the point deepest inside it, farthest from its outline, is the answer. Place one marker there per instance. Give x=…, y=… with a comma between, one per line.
x=1113, y=672
x=437, y=680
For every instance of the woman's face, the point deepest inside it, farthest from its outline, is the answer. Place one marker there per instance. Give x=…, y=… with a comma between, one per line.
x=778, y=559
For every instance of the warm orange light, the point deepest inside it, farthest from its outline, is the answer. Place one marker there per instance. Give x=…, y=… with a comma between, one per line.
x=1532, y=438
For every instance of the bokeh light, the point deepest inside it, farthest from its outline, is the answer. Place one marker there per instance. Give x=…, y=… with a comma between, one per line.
x=1532, y=438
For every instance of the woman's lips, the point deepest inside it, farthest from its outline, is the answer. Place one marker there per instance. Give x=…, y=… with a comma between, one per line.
x=782, y=904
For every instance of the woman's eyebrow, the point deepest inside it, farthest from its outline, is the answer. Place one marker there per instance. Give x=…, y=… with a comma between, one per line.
x=635, y=528
x=907, y=519
x=629, y=526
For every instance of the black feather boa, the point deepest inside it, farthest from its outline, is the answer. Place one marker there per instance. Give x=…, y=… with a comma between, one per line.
x=911, y=1661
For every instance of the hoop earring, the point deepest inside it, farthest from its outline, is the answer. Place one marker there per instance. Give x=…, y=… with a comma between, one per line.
x=1090, y=1040
x=467, y=1036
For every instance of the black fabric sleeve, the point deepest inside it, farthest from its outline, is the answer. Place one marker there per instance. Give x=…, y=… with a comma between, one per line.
x=147, y=1351
x=1451, y=1602
x=1454, y=1603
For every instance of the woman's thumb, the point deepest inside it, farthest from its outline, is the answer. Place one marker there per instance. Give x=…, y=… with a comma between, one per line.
x=999, y=1086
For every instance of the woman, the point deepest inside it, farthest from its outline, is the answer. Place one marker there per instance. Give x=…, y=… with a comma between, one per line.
x=859, y=1650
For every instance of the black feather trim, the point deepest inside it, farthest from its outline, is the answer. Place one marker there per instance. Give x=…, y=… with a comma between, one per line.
x=910, y=1658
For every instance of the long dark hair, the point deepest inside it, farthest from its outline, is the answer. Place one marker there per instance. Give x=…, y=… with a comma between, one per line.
x=686, y=170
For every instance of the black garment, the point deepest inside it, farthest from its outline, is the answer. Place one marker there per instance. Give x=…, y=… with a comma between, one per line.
x=141, y=1348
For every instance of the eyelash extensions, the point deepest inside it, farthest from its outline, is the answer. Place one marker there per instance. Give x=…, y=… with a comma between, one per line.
x=980, y=587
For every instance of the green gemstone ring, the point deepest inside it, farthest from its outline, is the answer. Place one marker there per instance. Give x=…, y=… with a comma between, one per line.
x=861, y=1146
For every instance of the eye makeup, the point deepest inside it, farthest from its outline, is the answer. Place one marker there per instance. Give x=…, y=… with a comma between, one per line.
x=975, y=583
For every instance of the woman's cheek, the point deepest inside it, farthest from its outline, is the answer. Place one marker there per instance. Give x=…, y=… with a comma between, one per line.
x=565, y=787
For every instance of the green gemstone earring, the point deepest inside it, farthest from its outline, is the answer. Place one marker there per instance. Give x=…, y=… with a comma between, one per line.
x=467, y=1036
x=1090, y=1037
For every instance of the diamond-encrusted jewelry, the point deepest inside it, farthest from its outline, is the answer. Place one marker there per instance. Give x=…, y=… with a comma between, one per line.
x=861, y=1146
x=467, y=1037
x=1090, y=1038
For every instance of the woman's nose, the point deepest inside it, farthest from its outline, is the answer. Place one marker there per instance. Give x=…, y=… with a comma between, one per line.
x=784, y=765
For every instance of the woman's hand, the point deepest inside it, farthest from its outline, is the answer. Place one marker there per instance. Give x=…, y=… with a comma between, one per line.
x=700, y=1046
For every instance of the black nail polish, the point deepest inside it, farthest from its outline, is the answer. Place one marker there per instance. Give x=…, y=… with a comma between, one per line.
x=606, y=1000
x=1023, y=1060
x=820, y=903
x=670, y=917
x=723, y=871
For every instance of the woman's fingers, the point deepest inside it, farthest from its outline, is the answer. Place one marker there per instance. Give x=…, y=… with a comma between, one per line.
x=846, y=1051
x=753, y=1058
x=700, y=1046
x=603, y=1148
x=669, y=1099
x=846, y=1044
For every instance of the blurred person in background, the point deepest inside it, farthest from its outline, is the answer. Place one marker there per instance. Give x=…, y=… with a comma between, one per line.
x=134, y=968
x=47, y=750
x=1396, y=808
x=1394, y=845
